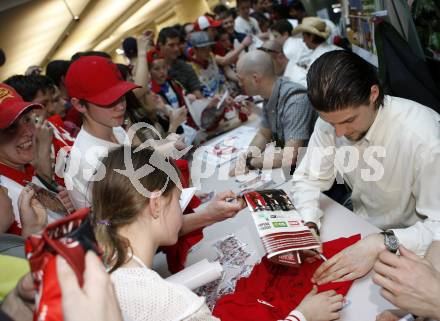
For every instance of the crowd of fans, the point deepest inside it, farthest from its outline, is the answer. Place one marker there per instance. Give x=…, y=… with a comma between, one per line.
x=67, y=131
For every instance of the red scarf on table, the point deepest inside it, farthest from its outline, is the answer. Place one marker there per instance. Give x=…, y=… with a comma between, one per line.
x=21, y=178
x=272, y=290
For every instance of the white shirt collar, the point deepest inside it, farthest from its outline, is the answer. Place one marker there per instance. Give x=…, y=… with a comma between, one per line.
x=378, y=128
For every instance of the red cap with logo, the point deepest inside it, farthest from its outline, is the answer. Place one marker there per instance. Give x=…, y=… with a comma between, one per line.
x=12, y=106
x=204, y=22
x=96, y=80
x=153, y=55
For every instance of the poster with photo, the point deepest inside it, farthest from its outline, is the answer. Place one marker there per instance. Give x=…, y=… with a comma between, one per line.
x=279, y=226
x=268, y=200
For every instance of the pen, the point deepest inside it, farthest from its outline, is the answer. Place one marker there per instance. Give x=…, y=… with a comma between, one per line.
x=231, y=199
x=320, y=255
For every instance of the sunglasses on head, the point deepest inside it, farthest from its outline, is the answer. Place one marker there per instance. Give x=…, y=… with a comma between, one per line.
x=267, y=50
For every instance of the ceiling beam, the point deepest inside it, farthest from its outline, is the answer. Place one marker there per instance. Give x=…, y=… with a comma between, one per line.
x=120, y=20
x=151, y=16
x=67, y=31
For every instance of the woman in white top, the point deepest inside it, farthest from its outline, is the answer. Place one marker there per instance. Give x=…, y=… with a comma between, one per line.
x=134, y=218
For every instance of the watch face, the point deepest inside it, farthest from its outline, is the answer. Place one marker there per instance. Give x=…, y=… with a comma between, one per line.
x=392, y=243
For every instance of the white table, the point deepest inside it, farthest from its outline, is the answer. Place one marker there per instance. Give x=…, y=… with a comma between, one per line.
x=365, y=299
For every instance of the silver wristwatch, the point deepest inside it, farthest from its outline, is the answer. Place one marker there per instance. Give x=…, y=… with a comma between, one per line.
x=391, y=241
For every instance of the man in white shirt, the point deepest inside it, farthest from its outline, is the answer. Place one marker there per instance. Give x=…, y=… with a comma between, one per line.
x=315, y=32
x=387, y=150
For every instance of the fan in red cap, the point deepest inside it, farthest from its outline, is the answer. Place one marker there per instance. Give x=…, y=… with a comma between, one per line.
x=96, y=80
x=97, y=90
x=17, y=147
x=208, y=24
x=153, y=55
x=12, y=106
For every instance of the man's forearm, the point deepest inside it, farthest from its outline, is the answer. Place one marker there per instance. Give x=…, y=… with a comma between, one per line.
x=141, y=74
x=285, y=157
x=230, y=57
x=266, y=161
x=259, y=141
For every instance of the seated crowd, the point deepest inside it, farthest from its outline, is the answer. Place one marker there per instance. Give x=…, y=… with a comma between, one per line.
x=71, y=130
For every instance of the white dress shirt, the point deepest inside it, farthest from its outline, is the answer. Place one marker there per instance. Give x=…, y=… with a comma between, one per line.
x=78, y=168
x=295, y=50
x=396, y=182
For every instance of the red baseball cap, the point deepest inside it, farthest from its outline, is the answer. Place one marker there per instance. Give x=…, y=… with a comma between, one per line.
x=204, y=22
x=12, y=106
x=153, y=55
x=96, y=80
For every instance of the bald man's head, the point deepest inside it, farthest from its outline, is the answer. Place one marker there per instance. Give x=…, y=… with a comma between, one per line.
x=256, y=73
x=256, y=62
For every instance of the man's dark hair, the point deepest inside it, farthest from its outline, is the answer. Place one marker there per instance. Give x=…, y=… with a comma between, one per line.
x=28, y=86
x=220, y=33
x=239, y=2
x=181, y=29
x=167, y=33
x=56, y=70
x=298, y=6
x=219, y=9
x=90, y=53
x=230, y=13
x=281, y=11
x=129, y=45
x=340, y=79
x=261, y=19
x=282, y=26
